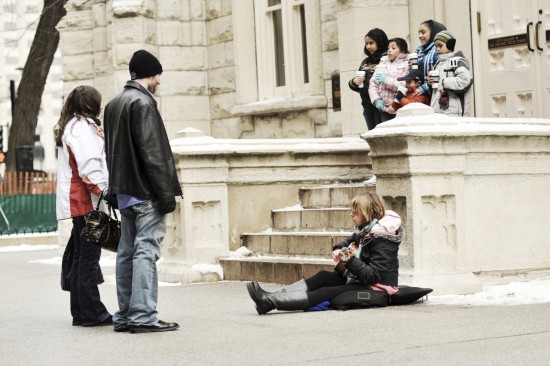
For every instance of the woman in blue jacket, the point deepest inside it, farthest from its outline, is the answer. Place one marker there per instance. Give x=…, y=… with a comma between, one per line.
x=427, y=54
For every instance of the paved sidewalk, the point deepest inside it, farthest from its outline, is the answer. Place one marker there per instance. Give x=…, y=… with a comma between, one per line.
x=219, y=326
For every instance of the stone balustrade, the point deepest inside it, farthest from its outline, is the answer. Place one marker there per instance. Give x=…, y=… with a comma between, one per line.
x=230, y=187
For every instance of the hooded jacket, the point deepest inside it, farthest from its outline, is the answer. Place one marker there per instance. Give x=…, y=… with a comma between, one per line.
x=386, y=90
x=368, y=65
x=456, y=78
x=378, y=262
x=139, y=156
x=81, y=169
x=428, y=56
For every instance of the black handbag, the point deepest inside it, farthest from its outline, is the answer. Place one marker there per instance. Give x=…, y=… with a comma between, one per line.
x=101, y=228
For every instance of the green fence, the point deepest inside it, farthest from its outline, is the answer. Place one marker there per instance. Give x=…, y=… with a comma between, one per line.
x=27, y=213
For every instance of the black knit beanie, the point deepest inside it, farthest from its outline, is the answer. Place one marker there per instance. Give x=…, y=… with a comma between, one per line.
x=143, y=64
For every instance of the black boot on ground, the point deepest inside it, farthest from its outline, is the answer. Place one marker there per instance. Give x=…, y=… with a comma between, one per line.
x=279, y=300
x=294, y=287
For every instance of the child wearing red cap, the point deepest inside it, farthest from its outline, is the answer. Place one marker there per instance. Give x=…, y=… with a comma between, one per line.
x=414, y=78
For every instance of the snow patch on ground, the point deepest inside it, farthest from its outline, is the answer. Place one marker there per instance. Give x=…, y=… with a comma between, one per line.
x=514, y=293
x=205, y=268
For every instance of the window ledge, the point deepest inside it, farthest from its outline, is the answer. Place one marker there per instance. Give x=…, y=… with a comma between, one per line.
x=279, y=105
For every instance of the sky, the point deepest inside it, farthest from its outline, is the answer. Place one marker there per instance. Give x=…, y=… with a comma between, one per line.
x=514, y=293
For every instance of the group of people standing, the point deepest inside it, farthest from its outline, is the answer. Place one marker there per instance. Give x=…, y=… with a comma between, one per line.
x=390, y=77
x=131, y=164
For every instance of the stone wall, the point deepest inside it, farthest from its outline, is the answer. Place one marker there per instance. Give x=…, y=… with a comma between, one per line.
x=208, y=52
x=98, y=39
x=195, y=42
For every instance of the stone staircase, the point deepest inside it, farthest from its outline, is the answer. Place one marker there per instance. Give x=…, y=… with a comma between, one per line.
x=300, y=241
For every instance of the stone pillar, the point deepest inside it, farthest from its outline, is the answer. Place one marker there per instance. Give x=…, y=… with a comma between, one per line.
x=467, y=188
x=197, y=233
x=77, y=45
x=425, y=176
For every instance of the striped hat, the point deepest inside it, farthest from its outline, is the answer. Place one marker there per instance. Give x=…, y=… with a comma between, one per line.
x=447, y=38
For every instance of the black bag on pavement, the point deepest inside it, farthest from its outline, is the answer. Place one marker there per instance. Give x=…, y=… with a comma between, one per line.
x=359, y=299
x=408, y=294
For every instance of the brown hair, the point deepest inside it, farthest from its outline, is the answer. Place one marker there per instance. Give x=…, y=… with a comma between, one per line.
x=369, y=205
x=84, y=101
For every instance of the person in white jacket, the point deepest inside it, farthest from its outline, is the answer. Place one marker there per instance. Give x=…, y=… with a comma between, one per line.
x=81, y=177
x=451, y=93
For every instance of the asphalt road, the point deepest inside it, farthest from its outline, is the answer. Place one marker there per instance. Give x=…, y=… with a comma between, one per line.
x=219, y=326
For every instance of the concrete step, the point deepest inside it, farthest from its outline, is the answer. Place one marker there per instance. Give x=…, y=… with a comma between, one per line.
x=310, y=244
x=300, y=219
x=338, y=195
x=301, y=241
x=272, y=269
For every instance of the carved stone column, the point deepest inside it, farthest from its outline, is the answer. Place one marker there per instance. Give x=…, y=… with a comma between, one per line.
x=468, y=190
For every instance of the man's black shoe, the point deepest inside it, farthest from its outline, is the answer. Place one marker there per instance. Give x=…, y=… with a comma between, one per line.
x=159, y=326
x=122, y=328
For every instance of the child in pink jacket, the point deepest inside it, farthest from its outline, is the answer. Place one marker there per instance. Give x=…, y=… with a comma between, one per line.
x=383, y=85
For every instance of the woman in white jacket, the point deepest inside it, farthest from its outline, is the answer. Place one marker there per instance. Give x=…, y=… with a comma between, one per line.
x=81, y=177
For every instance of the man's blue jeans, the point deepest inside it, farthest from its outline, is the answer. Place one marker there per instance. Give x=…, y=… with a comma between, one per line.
x=142, y=231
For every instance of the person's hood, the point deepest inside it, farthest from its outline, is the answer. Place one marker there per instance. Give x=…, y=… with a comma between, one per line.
x=389, y=227
x=399, y=58
x=458, y=54
x=436, y=28
x=376, y=58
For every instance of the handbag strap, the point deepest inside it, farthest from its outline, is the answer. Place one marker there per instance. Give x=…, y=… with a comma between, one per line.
x=111, y=209
x=99, y=201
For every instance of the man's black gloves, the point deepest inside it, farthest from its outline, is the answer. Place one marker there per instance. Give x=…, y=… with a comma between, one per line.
x=166, y=204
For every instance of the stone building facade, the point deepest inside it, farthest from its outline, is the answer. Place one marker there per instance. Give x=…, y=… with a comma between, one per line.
x=219, y=73
x=224, y=59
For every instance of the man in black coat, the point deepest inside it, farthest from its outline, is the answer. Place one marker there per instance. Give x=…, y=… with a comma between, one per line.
x=143, y=178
